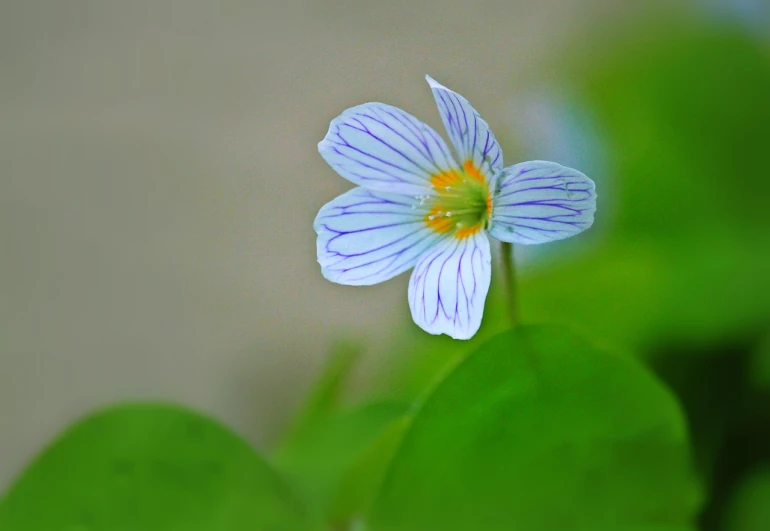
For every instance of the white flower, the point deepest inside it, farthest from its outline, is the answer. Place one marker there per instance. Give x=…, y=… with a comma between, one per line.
x=415, y=206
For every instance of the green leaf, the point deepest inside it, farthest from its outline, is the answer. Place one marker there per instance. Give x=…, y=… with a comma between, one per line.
x=645, y=528
x=680, y=243
x=689, y=180
x=150, y=467
x=418, y=359
x=325, y=442
x=317, y=460
x=637, y=295
x=540, y=430
x=617, y=293
x=652, y=527
x=362, y=481
x=325, y=395
x=760, y=364
x=749, y=508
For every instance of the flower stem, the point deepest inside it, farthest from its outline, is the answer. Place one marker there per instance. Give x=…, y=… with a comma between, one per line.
x=509, y=273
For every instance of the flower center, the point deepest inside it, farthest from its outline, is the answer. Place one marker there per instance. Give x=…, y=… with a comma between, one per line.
x=463, y=203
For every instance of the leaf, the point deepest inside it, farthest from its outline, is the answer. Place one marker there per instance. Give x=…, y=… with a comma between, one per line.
x=325, y=395
x=688, y=178
x=540, y=430
x=317, y=460
x=150, y=467
x=325, y=442
x=637, y=295
x=418, y=359
x=760, y=364
x=362, y=480
x=749, y=508
x=646, y=528
x=617, y=293
x=681, y=226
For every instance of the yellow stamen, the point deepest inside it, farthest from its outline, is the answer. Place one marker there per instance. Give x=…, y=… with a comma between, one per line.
x=437, y=221
x=463, y=203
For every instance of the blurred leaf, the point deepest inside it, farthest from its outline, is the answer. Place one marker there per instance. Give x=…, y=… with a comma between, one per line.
x=325, y=442
x=711, y=384
x=538, y=429
x=683, y=107
x=639, y=295
x=362, y=527
x=150, y=467
x=749, y=510
x=363, y=479
x=418, y=360
x=319, y=458
x=760, y=364
x=680, y=107
x=644, y=528
x=325, y=395
x=617, y=293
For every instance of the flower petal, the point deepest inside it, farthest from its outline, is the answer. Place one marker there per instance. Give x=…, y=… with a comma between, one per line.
x=470, y=134
x=366, y=237
x=449, y=285
x=538, y=202
x=383, y=148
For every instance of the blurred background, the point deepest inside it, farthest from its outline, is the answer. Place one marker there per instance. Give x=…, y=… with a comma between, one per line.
x=160, y=178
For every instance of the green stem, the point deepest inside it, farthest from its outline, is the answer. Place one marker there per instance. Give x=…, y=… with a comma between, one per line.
x=509, y=274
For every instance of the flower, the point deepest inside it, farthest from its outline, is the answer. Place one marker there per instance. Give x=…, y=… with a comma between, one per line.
x=418, y=206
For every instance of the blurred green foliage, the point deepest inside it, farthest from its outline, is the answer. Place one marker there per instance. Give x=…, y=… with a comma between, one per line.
x=317, y=461
x=334, y=455
x=150, y=467
x=363, y=479
x=749, y=510
x=760, y=364
x=684, y=111
x=324, y=398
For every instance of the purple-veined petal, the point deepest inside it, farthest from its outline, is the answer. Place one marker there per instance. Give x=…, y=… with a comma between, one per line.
x=538, y=202
x=449, y=285
x=366, y=237
x=383, y=148
x=469, y=133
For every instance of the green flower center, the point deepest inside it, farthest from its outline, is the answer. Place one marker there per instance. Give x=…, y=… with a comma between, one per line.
x=463, y=204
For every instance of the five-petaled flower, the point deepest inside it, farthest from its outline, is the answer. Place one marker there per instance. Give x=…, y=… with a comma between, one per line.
x=416, y=205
